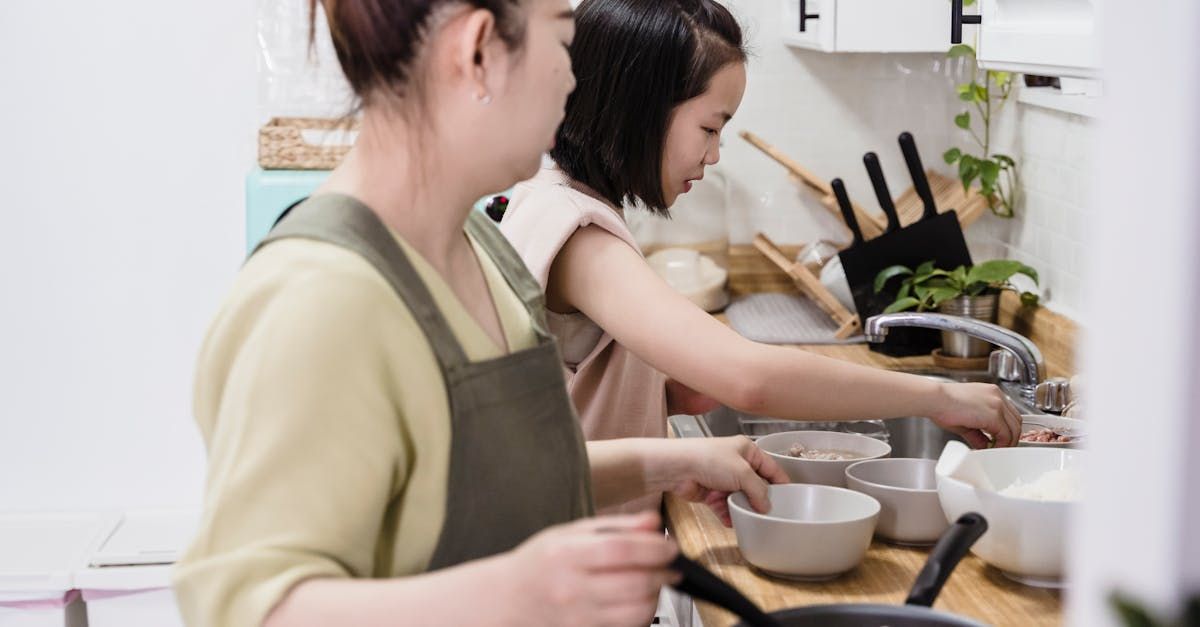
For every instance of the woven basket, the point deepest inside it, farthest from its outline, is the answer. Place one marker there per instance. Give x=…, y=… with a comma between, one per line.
x=282, y=145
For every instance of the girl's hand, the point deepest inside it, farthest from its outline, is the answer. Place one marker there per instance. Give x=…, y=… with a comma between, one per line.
x=979, y=412
x=712, y=468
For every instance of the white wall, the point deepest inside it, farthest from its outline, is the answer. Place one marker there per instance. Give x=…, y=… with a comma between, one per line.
x=127, y=129
x=1052, y=226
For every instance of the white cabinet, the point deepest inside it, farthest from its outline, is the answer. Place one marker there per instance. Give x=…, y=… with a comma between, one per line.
x=867, y=25
x=1048, y=37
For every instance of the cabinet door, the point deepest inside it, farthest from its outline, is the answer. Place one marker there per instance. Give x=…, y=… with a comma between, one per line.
x=1052, y=37
x=892, y=26
x=867, y=25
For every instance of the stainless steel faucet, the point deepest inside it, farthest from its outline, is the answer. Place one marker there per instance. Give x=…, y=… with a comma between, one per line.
x=1032, y=368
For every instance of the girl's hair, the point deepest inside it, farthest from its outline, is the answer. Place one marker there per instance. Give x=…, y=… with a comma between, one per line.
x=634, y=62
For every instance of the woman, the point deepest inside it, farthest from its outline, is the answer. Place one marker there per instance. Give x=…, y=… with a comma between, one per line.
x=658, y=80
x=388, y=429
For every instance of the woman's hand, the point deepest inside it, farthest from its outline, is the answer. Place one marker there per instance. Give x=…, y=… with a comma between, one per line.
x=682, y=399
x=979, y=412
x=598, y=571
x=712, y=468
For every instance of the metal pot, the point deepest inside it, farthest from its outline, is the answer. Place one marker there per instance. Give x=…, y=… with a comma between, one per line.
x=983, y=307
x=701, y=584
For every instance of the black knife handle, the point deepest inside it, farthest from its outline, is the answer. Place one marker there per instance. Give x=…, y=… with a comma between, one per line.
x=843, y=201
x=871, y=160
x=917, y=171
x=957, y=19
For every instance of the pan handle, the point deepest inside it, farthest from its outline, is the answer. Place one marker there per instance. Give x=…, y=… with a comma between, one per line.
x=949, y=550
x=699, y=583
x=917, y=171
x=875, y=171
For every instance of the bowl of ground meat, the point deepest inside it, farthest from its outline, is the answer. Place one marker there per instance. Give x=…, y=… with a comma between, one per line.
x=820, y=457
x=1052, y=431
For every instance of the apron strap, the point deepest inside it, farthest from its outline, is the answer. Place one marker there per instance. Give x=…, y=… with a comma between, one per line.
x=344, y=221
x=512, y=267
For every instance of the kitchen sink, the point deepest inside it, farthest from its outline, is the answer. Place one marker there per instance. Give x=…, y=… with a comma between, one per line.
x=911, y=436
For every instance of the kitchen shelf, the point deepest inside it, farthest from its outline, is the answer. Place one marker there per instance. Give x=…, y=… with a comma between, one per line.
x=1053, y=98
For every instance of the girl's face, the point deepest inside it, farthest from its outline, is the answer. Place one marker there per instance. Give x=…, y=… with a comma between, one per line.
x=694, y=131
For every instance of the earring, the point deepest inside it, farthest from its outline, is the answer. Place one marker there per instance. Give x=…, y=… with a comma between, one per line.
x=484, y=98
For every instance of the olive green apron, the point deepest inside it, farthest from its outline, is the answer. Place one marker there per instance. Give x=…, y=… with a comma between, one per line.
x=518, y=462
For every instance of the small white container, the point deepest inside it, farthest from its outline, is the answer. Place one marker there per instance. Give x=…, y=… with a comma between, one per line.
x=38, y=556
x=128, y=580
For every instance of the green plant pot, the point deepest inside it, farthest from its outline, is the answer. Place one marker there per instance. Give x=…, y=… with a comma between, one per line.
x=983, y=307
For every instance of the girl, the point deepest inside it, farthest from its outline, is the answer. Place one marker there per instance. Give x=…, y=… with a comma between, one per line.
x=658, y=81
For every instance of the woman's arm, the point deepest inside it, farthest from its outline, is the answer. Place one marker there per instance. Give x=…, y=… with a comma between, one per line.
x=598, y=571
x=601, y=276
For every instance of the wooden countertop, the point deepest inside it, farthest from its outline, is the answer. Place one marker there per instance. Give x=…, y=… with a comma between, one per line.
x=975, y=590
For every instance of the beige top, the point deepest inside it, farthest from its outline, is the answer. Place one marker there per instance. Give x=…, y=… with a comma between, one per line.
x=327, y=424
x=616, y=394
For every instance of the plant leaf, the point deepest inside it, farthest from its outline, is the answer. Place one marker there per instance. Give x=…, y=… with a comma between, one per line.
x=902, y=304
x=887, y=274
x=938, y=295
x=952, y=156
x=989, y=173
x=1132, y=614
x=981, y=92
x=960, y=50
x=1029, y=299
x=905, y=290
x=963, y=120
x=994, y=272
x=1001, y=78
x=1029, y=272
x=1004, y=160
x=923, y=270
x=968, y=170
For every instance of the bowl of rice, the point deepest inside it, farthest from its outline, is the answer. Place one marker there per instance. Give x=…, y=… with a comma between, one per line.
x=1027, y=496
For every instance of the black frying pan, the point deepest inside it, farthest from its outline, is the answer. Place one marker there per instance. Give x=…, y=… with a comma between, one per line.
x=699, y=583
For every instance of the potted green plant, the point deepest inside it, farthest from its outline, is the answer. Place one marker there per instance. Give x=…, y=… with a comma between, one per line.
x=962, y=291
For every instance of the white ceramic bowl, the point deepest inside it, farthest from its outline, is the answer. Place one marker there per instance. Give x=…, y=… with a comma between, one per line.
x=1026, y=538
x=1074, y=424
x=906, y=489
x=820, y=471
x=812, y=532
x=692, y=274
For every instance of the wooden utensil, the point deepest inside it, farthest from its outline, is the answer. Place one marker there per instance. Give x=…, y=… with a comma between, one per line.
x=871, y=225
x=811, y=286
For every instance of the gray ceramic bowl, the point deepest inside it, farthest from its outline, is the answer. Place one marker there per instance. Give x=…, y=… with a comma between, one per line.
x=812, y=533
x=820, y=471
x=906, y=489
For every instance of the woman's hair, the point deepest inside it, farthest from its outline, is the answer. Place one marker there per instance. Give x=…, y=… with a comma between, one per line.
x=634, y=62
x=377, y=41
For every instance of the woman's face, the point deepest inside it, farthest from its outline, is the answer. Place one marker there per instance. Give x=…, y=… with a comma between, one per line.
x=694, y=131
x=531, y=102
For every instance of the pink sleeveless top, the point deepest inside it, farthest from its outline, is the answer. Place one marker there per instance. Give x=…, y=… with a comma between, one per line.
x=616, y=394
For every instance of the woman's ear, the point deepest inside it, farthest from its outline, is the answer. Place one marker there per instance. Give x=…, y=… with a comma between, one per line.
x=475, y=54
